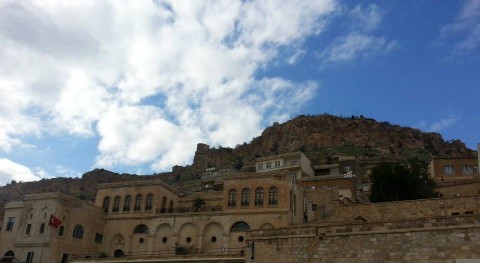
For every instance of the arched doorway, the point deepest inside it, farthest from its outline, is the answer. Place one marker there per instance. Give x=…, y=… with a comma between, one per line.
x=118, y=253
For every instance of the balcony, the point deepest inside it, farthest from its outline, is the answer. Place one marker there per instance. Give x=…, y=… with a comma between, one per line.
x=185, y=254
x=189, y=209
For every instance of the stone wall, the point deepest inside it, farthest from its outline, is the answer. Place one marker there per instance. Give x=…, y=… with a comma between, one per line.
x=439, y=239
x=406, y=210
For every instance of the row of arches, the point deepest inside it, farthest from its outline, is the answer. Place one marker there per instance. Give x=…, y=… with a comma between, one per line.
x=213, y=237
x=138, y=204
x=259, y=197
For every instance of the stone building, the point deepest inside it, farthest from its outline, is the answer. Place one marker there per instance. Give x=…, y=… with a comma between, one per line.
x=30, y=235
x=454, y=169
x=287, y=211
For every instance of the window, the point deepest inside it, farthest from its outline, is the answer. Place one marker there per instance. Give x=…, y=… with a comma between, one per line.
x=141, y=229
x=149, y=203
x=269, y=165
x=126, y=205
x=294, y=162
x=277, y=163
x=259, y=197
x=260, y=166
x=29, y=257
x=232, y=198
x=314, y=207
x=10, y=223
x=448, y=169
x=240, y=227
x=106, y=203
x=348, y=168
x=42, y=228
x=294, y=175
x=61, y=230
x=27, y=229
x=98, y=238
x=467, y=169
x=78, y=232
x=246, y=197
x=138, y=203
x=273, y=196
x=116, y=204
x=164, y=205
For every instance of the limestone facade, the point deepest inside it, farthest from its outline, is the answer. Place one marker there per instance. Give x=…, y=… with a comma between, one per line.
x=28, y=236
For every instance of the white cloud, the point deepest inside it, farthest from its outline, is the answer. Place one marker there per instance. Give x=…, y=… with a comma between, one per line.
x=353, y=46
x=466, y=27
x=361, y=41
x=10, y=170
x=439, y=125
x=151, y=79
x=443, y=123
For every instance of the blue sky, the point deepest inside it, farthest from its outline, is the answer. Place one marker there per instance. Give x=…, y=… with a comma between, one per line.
x=133, y=86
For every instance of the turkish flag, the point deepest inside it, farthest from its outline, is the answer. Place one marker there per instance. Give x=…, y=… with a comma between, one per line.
x=55, y=222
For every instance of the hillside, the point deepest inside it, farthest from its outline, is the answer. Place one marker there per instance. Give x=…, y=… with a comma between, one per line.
x=321, y=138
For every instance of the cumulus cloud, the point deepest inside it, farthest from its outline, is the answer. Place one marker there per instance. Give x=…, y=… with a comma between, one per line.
x=10, y=170
x=149, y=78
x=361, y=41
x=466, y=27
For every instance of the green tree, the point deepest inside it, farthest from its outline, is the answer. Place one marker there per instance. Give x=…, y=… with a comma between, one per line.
x=396, y=181
x=198, y=202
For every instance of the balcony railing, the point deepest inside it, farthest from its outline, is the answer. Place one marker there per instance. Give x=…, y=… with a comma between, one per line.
x=189, y=209
x=183, y=251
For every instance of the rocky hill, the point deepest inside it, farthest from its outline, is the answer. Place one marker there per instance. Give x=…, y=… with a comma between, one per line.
x=322, y=138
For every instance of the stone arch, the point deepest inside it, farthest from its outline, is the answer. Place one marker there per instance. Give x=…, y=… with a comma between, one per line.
x=238, y=231
x=212, y=240
x=141, y=229
x=30, y=214
x=9, y=254
x=45, y=214
x=266, y=226
x=187, y=235
x=360, y=219
x=118, y=253
x=164, y=238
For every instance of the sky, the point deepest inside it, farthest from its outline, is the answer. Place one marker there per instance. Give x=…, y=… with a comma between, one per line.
x=133, y=86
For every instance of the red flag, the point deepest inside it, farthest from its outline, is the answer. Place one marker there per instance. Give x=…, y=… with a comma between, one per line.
x=55, y=222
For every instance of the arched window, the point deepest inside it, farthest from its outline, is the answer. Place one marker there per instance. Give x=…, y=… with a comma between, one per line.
x=78, y=232
x=232, y=198
x=149, y=203
x=239, y=227
x=126, y=205
x=259, y=197
x=273, y=196
x=116, y=204
x=138, y=203
x=141, y=229
x=106, y=203
x=9, y=254
x=246, y=197
x=170, y=206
